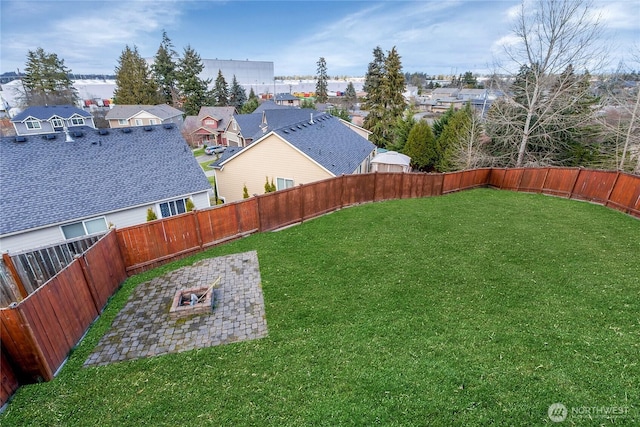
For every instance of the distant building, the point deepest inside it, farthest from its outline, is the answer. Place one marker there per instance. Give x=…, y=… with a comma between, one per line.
x=143, y=115
x=46, y=119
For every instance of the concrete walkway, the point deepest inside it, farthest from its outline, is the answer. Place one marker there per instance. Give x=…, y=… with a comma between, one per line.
x=143, y=327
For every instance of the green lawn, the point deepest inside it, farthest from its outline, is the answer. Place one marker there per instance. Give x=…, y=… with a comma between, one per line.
x=476, y=308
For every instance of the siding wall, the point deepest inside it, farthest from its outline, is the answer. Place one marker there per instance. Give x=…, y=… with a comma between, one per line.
x=270, y=157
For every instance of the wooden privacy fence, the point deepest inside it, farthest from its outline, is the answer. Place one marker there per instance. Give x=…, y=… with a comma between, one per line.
x=24, y=272
x=38, y=332
x=148, y=245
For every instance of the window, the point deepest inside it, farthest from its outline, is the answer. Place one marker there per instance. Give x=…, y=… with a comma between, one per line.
x=153, y=122
x=33, y=124
x=57, y=123
x=77, y=121
x=235, y=125
x=84, y=228
x=123, y=122
x=174, y=207
x=283, y=183
x=138, y=122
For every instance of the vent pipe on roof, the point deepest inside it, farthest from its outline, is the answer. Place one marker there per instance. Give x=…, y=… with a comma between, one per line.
x=67, y=136
x=311, y=121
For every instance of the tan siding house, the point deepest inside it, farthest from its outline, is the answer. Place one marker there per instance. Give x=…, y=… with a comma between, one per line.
x=298, y=153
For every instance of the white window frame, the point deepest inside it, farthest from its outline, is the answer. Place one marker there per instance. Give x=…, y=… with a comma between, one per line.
x=77, y=121
x=57, y=122
x=153, y=122
x=123, y=122
x=84, y=227
x=285, y=182
x=173, y=207
x=32, y=123
x=138, y=122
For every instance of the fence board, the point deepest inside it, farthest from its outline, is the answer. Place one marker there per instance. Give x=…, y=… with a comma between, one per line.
x=321, y=197
x=279, y=209
x=105, y=267
x=9, y=382
x=21, y=346
x=560, y=181
x=532, y=180
x=594, y=185
x=358, y=189
x=625, y=195
x=387, y=186
x=218, y=224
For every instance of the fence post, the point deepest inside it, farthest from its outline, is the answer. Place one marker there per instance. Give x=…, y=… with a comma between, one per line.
x=575, y=181
x=613, y=186
x=25, y=326
x=544, y=181
x=302, y=191
x=14, y=273
x=197, y=224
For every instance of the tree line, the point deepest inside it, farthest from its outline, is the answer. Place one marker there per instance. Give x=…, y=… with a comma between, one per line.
x=552, y=111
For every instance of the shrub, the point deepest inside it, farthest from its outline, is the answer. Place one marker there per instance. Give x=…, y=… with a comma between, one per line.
x=190, y=206
x=151, y=215
x=245, y=192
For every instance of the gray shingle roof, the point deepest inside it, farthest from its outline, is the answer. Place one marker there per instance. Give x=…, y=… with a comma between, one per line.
x=270, y=105
x=45, y=112
x=49, y=181
x=327, y=141
x=275, y=118
x=161, y=111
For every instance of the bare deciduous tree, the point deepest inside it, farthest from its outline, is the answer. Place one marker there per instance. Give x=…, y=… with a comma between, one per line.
x=552, y=39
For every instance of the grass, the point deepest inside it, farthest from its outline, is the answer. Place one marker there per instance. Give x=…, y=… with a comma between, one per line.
x=198, y=152
x=205, y=165
x=475, y=308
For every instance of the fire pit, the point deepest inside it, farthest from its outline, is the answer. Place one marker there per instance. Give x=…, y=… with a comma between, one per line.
x=198, y=300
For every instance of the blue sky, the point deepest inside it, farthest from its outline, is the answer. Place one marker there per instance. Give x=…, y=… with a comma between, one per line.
x=436, y=37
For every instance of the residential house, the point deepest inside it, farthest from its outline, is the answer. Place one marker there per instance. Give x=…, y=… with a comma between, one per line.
x=287, y=99
x=143, y=115
x=212, y=126
x=48, y=119
x=252, y=126
x=311, y=149
x=58, y=188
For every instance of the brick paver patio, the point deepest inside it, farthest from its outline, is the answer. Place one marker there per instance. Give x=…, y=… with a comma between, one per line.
x=143, y=327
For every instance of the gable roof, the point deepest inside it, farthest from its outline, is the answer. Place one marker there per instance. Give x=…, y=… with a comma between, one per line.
x=251, y=124
x=285, y=97
x=270, y=105
x=95, y=174
x=45, y=112
x=221, y=114
x=161, y=111
x=326, y=140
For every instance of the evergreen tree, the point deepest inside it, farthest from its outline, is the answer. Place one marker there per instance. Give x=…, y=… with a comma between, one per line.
x=384, y=84
x=134, y=84
x=394, y=85
x=46, y=80
x=401, y=131
x=441, y=123
x=350, y=97
x=421, y=148
x=220, y=92
x=250, y=106
x=341, y=113
x=322, y=94
x=455, y=139
x=237, y=96
x=308, y=103
x=193, y=89
x=165, y=71
x=374, y=99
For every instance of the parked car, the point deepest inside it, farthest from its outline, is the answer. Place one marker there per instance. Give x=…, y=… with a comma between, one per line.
x=214, y=149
